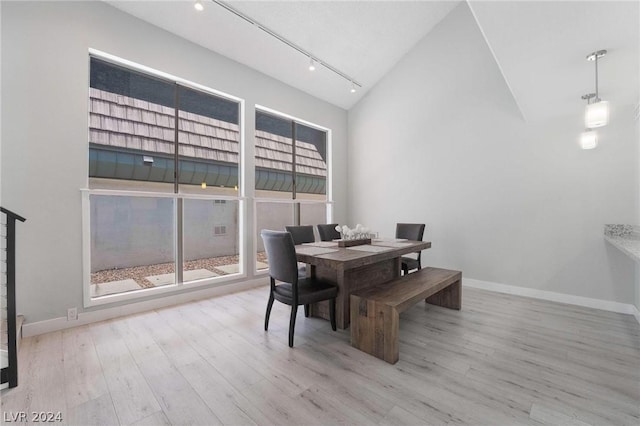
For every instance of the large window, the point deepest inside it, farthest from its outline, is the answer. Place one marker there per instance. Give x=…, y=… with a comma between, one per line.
x=285, y=170
x=290, y=175
x=164, y=161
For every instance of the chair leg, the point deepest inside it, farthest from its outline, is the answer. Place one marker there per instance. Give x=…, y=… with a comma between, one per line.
x=405, y=269
x=268, y=314
x=332, y=313
x=292, y=324
x=306, y=311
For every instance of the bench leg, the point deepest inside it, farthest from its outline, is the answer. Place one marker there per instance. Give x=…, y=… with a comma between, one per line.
x=449, y=297
x=374, y=329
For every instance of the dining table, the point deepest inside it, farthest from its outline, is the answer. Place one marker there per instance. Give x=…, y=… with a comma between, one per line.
x=354, y=268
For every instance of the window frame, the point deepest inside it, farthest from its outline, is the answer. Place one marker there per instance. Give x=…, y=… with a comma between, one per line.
x=177, y=196
x=328, y=202
x=329, y=149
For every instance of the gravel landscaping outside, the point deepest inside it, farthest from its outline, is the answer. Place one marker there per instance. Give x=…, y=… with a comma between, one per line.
x=138, y=273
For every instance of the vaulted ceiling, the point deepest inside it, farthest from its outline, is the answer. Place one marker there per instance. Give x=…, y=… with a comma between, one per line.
x=539, y=46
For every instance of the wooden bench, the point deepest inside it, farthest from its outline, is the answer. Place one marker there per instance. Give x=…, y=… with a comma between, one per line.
x=375, y=312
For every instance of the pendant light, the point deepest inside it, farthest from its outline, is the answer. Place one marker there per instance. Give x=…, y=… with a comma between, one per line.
x=597, y=111
x=589, y=139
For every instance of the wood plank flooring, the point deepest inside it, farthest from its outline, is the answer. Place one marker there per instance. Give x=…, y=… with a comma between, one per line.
x=501, y=360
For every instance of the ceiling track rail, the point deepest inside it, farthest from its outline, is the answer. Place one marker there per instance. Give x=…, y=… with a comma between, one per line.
x=289, y=43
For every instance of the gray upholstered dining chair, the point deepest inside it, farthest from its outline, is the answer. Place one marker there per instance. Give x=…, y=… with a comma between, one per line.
x=287, y=287
x=301, y=234
x=415, y=232
x=328, y=232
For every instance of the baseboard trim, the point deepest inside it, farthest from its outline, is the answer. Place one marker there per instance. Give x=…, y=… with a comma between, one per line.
x=605, y=305
x=55, y=324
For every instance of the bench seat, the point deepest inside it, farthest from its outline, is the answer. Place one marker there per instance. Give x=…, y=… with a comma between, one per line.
x=375, y=312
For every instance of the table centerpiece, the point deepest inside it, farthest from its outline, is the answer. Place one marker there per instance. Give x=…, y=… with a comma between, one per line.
x=353, y=237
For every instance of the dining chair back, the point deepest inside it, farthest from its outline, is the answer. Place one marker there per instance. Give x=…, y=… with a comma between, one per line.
x=414, y=232
x=285, y=284
x=281, y=255
x=328, y=232
x=301, y=234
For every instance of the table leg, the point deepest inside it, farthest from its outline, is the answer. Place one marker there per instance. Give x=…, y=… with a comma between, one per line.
x=352, y=280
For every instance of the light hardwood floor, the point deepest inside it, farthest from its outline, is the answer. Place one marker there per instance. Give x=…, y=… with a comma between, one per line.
x=502, y=360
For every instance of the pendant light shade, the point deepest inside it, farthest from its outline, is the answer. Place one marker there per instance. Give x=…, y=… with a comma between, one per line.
x=596, y=115
x=588, y=139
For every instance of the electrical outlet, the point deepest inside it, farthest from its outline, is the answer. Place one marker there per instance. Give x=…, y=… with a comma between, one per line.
x=72, y=314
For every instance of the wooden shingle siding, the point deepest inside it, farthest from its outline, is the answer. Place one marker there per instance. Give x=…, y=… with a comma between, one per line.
x=120, y=121
x=275, y=152
x=124, y=122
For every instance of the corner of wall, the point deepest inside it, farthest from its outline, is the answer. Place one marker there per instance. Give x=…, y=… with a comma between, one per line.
x=495, y=58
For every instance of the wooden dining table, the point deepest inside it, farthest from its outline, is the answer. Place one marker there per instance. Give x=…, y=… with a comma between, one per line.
x=354, y=268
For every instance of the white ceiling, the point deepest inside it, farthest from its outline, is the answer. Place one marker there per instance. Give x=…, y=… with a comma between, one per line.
x=363, y=39
x=540, y=46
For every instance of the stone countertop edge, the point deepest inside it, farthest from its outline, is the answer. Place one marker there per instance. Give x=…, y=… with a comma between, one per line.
x=626, y=238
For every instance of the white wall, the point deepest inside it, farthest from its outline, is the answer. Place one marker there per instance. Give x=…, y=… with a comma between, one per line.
x=439, y=140
x=45, y=80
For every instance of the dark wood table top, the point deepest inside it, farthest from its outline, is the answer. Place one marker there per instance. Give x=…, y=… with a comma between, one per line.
x=351, y=257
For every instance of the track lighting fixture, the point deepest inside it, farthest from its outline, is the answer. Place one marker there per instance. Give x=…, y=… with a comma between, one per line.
x=313, y=58
x=198, y=6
